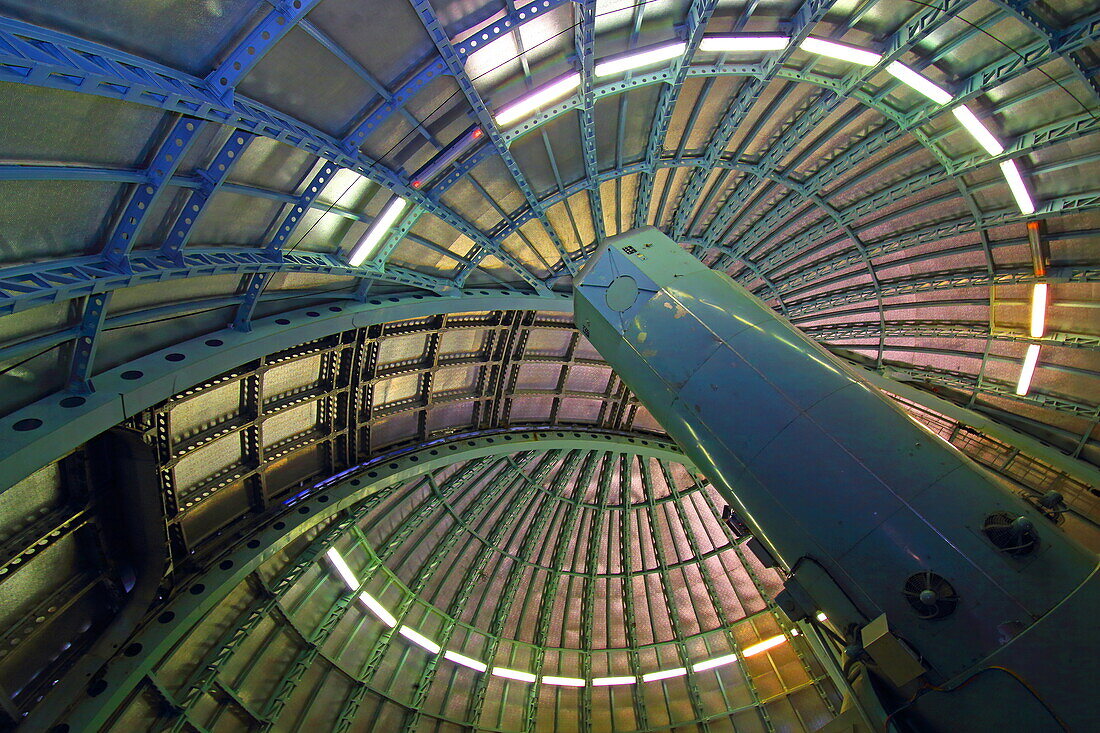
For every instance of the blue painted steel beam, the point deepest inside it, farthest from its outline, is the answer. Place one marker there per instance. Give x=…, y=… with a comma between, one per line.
x=455, y=66
x=584, y=40
x=242, y=321
x=28, y=286
x=392, y=103
x=39, y=57
x=261, y=39
x=807, y=121
x=128, y=225
x=433, y=66
x=25, y=286
x=120, y=242
x=698, y=16
x=86, y=343
x=1000, y=71
x=211, y=179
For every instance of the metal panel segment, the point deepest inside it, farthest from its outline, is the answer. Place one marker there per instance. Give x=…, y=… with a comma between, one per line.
x=59, y=429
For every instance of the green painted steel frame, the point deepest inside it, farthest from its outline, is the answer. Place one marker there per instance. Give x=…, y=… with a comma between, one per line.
x=157, y=637
x=47, y=429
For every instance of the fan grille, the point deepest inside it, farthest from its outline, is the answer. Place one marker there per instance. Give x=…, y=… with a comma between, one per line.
x=940, y=602
x=999, y=529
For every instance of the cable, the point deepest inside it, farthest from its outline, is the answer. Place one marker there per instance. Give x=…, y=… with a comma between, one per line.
x=933, y=688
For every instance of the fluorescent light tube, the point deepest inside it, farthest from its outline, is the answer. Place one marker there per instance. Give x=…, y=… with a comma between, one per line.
x=379, y=610
x=975, y=127
x=606, y=681
x=419, y=639
x=639, y=59
x=342, y=568
x=465, y=661
x=513, y=674
x=919, y=82
x=1038, y=309
x=368, y=245
x=1019, y=189
x=764, y=646
x=1031, y=359
x=712, y=663
x=564, y=681
x=728, y=44
x=664, y=674
x=547, y=93
x=841, y=51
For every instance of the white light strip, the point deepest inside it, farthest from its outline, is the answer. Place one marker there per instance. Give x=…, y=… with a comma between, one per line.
x=919, y=82
x=368, y=245
x=379, y=610
x=1031, y=359
x=975, y=127
x=528, y=104
x=840, y=51
x=1019, y=189
x=513, y=674
x=664, y=674
x=1038, y=309
x=712, y=663
x=564, y=681
x=607, y=681
x=465, y=661
x=764, y=646
x=342, y=568
x=728, y=44
x=821, y=617
x=419, y=639
x=639, y=59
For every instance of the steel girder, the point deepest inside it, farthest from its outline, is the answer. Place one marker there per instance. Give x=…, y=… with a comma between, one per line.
x=38, y=57
x=807, y=119
x=434, y=66
x=584, y=40
x=899, y=43
x=816, y=305
x=456, y=68
x=1006, y=390
x=1078, y=36
x=47, y=429
x=28, y=286
x=698, y=16
x=948, y=330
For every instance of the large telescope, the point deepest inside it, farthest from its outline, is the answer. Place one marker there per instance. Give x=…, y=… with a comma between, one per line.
x=960, y=606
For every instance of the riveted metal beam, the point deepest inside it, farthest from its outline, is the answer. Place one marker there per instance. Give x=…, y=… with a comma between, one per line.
x=698, y=15
x=455, y=66
x=212, y=177
x=262, y=38
x=38, y=57
x=584, y=40
x=128, y=225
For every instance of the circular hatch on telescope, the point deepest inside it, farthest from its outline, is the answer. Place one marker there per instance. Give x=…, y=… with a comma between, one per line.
x=621, y=293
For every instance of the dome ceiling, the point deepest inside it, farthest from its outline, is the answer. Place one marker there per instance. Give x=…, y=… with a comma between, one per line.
x=240, y=151
x=186, y=187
